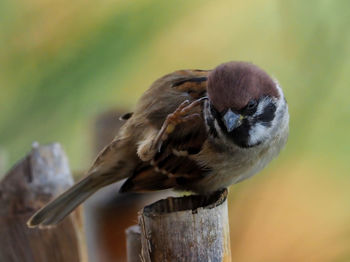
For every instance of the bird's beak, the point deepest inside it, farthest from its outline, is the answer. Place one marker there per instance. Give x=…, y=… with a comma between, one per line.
x=232, y=120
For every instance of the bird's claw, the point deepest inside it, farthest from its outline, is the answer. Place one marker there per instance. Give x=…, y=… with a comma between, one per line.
x=180, y=115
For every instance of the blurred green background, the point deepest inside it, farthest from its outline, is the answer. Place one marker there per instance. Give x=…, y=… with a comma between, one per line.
x=64, y=62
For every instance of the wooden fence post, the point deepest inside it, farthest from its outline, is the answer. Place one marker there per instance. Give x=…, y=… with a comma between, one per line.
x=133, y=243
x=191, y=228
x=40, y=176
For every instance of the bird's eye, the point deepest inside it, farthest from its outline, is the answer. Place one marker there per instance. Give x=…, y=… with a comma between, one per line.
x=252, y=105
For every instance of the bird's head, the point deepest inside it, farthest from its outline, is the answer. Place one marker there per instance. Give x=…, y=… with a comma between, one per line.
x=245, y=104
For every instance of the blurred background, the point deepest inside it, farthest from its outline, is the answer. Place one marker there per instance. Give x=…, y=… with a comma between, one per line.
x=64, y=63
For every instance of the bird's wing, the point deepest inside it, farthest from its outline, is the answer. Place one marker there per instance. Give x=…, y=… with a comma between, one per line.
x=173, y=165
x=119, y=160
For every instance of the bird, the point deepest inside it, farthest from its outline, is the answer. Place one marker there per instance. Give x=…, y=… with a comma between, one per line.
x=192, y=130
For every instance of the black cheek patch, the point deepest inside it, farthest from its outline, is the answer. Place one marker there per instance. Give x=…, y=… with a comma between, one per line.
x=240, y=135
x=266, y=117
x=192, y=80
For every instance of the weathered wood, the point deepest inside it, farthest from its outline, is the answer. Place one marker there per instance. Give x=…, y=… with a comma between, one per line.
x=192, y=228
x=32, y=182
x=133, y=243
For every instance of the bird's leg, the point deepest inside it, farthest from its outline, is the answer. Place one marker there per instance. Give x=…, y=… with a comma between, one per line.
x=180, y=115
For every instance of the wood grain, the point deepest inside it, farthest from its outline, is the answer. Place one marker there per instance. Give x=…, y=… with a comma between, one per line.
x=191, y=228
x=32, y=182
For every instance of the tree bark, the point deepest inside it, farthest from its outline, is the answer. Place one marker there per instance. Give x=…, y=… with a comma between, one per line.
x=39, y=177
x=192, y=228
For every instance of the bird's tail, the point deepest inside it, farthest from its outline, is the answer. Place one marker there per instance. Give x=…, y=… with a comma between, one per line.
x=109, y=167
x=63, y=205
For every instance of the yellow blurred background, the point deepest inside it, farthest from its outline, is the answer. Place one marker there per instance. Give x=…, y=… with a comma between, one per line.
x=64, y=62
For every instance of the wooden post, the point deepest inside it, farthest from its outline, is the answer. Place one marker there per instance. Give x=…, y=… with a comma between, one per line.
x=30, y=184
x=191, y=228
x=133, y=243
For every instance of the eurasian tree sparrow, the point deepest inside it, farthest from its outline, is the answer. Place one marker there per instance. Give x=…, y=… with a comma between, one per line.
x=196, y=130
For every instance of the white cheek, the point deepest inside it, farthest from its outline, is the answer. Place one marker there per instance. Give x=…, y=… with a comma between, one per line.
x=218, y=129
x=257, y=134
x=259, y=109
x=262, y=105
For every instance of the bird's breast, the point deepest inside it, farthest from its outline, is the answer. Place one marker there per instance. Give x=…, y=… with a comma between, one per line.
x=231, y=166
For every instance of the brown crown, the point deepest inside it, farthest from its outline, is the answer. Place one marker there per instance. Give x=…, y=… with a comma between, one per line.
x=234, y=84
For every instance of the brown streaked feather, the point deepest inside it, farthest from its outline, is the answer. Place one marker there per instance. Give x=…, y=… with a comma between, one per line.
x=195, y=87
x=173, y=164
x=171, y=90
x=113, y=158
x=146, y=179
x=157, y=149
x=195, y=83
x=167, y=172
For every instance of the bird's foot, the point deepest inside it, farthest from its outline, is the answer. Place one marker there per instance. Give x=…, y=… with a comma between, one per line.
x=180, y=115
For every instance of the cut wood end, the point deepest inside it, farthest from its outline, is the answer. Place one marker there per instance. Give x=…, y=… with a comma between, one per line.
x=135, y=229
x=189, y=228
x=186, y=203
